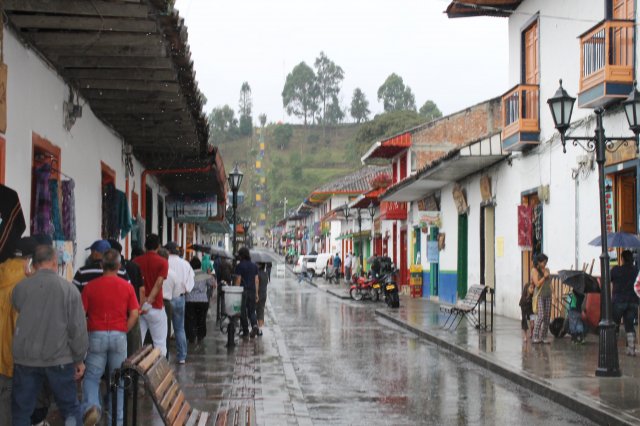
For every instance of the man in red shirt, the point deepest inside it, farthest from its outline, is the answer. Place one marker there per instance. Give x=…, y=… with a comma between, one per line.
x=154, y=271
x=112, y=310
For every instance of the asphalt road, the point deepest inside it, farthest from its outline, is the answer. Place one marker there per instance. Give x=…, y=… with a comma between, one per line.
x=349, y=367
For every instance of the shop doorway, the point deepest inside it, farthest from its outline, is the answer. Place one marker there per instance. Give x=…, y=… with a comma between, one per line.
x=531, y=199
x=463, y=255
x=404, y=271
x=487, y=246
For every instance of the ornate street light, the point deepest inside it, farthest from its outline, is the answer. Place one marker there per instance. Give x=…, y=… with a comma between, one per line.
x=235, y=179
x=561, y=106
x=372, y=210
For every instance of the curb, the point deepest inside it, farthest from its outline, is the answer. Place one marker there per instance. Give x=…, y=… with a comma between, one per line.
x=592, y=409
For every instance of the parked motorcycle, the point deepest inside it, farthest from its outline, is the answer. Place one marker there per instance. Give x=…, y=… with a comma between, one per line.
x=385, y=270
x=365, y=288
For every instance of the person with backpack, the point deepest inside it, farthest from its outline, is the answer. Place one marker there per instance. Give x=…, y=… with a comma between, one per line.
x=247, y=276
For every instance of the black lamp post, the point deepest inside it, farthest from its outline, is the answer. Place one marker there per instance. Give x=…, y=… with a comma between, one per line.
x=235, y=179
x=561, y=105
x=372, y=212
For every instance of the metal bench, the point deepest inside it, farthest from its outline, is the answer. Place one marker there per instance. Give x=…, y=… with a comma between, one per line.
x=466, y=307
x=160, y=382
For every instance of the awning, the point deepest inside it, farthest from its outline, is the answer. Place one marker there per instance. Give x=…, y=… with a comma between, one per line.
x=365, y=200
x=468, y=8
x=451, y=167
x=388, y=148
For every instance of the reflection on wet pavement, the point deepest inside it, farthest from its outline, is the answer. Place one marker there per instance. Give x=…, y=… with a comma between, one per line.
x=356, y=369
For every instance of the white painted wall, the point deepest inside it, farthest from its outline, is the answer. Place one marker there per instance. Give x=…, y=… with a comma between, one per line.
x=35, y=95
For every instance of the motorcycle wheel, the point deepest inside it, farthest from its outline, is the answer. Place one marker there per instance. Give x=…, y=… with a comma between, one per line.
x=355, y=294
x=395, y=300
x=375, y=295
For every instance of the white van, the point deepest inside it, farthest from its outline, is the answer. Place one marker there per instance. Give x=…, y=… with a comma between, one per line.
x=311, y=264
x=321, y=263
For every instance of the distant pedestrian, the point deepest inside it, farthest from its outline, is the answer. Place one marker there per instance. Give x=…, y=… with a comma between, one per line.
x=263, y=279
x=197, y=303
x=337, y=262
x=112, y=310
x=347, y=267
x=154, y=271
x=576, y=327
x=541, y=279
x=62, y=340
x=247, y=275
x=526, y=309
x=625, y=301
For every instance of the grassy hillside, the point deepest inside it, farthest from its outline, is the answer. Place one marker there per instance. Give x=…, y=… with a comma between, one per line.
x=313, y=157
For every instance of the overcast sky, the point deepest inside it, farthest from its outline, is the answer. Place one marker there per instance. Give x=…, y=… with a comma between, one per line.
x=455, y=62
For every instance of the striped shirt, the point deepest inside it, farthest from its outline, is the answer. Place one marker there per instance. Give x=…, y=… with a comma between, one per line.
x=91, y=271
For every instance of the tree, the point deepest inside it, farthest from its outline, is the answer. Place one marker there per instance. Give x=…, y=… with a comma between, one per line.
x=334, y=113
x=263, y=119
x=430, y=110
x=395, y=95
x=300, y=92
x=245, y=104
x=328, y=78
x=359, y=106
x=223, y=125
x=282, y=135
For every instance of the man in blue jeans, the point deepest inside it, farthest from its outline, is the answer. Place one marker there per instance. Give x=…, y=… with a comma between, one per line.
x=112, y=310
x=49, y=313
x=184, y=276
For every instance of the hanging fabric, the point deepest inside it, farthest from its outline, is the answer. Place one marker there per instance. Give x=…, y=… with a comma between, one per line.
x=109, y=212
x=68, y=210
x=12, y=223
x=56, y=219
x=41, y=223
x=124, y=217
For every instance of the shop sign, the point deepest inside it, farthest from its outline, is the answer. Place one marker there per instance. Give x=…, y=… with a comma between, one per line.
x=460, y=199
x=393, y=210
x=485, y=188
x=430, y=203
x=184, y=208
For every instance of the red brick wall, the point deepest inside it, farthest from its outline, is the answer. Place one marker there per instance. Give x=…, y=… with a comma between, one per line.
x=460, y=128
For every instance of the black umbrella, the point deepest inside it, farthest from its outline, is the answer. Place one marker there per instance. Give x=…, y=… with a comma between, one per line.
x=218, y=251
x=259, y=256
x=580, y=281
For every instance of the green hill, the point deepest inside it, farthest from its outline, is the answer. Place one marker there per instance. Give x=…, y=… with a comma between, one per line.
x=313, y=157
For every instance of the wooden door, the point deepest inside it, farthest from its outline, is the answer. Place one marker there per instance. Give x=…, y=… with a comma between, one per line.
x=626, y=203
x=623, y=9
x=531, y=55
x=404, y=270
x=527, y=255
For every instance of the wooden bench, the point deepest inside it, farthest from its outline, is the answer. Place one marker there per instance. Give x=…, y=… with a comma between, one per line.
x=465, y=307
x=242, y=414
x=160, y=382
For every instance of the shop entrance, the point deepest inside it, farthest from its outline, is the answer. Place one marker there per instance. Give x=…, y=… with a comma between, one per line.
x=531, y=199
x=463, y=255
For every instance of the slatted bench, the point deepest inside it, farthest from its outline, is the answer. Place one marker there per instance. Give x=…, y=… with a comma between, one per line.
x=465, y=307
x=160, y=382
x=242, y=414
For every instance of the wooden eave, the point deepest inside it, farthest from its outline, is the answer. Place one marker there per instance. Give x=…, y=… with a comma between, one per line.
x=131, y=63
x=470, y=8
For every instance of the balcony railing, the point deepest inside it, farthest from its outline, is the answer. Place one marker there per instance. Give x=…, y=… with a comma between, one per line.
x=520, y=110
x=606, y=56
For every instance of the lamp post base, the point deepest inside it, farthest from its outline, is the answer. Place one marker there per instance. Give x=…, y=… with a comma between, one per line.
x=608, y=365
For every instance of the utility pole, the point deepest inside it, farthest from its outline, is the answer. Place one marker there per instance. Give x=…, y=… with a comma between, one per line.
x=285, y=208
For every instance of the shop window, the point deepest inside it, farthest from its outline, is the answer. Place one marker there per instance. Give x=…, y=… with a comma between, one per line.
x=2, y=159
x=45, y=167
x=109, y=225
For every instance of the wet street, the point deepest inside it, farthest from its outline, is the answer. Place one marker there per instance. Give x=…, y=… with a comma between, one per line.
x=353, y=368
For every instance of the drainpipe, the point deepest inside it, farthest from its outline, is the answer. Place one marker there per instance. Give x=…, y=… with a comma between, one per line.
x=156, y=172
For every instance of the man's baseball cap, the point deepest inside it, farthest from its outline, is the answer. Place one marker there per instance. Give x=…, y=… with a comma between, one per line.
x=100, y=246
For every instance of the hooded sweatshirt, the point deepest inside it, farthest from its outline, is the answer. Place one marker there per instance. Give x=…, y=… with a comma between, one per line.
x=11, y=273
x=51, y=328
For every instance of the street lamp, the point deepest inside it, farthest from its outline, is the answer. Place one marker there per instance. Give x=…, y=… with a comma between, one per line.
x=235, y=179
x=372, y=212
x=561, y=105
x=360, y=241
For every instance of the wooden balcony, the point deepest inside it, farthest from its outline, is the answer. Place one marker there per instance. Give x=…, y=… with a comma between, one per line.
x=521, y=117
x=606, y=63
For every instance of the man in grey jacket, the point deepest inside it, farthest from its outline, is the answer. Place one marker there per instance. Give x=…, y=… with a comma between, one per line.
x=50, y=340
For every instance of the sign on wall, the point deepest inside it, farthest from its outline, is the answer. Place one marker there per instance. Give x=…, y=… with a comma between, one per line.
x=184, y=208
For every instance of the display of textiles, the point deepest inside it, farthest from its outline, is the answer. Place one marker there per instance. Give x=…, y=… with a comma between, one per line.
x=109, y=211
x=66, y=255
x=41, y=222
x=68, y=210
x=56, y=218
x=124, y=217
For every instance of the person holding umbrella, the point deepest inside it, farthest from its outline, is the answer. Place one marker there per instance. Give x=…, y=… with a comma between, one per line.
x=541, y=280
x=624, y=299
